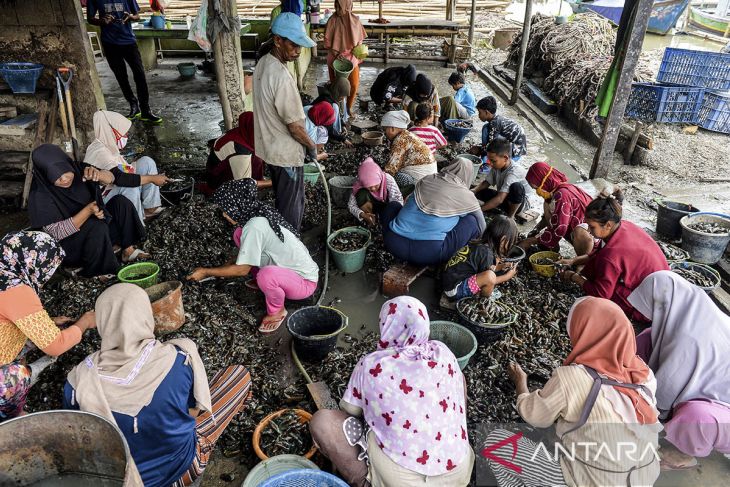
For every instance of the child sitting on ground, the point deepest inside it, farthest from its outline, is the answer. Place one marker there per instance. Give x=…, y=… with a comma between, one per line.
x=473, y=269
x=424, y=129
x=499, y=127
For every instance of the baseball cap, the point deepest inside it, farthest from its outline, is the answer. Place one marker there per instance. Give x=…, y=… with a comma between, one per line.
x=290, y=26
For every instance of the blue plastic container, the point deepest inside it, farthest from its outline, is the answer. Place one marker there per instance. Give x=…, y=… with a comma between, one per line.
x=21, y=77
x=655, y=102
x=454, y=133
x=714, y=114
x=304, y=478
x=157, y=21
x=695, y=68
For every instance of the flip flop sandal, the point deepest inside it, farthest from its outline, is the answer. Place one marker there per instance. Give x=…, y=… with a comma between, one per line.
x=271, y=325
x=252, y=284
x=137, y=254
x=154, y=214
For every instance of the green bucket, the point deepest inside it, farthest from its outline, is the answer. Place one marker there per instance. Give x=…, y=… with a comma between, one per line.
x=143, y=274
x=458, y=338
x=342, y=67
x=353, y=260
x=311, y=173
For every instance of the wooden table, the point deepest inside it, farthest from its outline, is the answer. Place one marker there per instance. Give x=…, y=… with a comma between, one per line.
x=150, y=39
x=414, y=28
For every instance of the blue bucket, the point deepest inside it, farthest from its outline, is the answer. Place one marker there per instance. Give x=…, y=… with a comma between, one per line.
x=21, y=77
x=157, y=22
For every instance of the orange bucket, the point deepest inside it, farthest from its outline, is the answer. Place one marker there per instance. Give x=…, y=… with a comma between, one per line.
x=167, y=306
x=304, y=416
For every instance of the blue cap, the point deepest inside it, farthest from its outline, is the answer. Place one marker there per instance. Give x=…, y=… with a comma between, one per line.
x=290, y=26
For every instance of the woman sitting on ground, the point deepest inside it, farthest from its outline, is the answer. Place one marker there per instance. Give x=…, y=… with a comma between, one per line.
x=425, y=130
x=320, y=121
x=65, y=201
x=335, y=92
x=441, y=218
x=422, y=91
x=625, y=256
x=402, y=420
x=29, y=261
x=390, y=86
x=593, y=427
x=233, y=156
x=564, y=211
x=473, y=268
x=410, y=158
x=111, y=130
x=157, y=393
x=269, y=250
x=372, y=191
x=687, y=347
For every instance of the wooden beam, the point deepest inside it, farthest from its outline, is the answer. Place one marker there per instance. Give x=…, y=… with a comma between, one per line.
x=523, y=52
x=229, y=67
x=472, y=20
x=40, y=136
x=631, y=51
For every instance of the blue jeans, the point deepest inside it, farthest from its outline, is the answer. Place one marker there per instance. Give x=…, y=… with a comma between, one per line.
x=142, y=197
x=426, y=252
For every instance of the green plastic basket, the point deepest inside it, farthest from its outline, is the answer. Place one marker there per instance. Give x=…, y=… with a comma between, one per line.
x=143, y=274
x=311, y=174
x=342, y=67
x=458, y=338
x=274, y=466
x=353, y=260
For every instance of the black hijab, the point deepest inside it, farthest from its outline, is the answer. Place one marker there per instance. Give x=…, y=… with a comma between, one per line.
x=239, y=199
x=402, y=76
x=47, y=202
x=422, y=87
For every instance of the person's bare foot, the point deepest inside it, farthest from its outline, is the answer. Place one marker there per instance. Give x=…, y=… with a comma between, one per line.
x=271, y=323
x=673, y=459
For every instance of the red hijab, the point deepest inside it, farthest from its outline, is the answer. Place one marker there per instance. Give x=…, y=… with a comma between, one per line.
x=322, y=113
x=243, y=134
x=543, y=175
x=603, y=339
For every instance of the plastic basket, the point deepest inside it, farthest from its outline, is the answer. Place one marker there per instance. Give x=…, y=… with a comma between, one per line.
x=275, y=466
x=545, y=270
x=706, y=270
x=21, y=77
x=304, y=478
x=143, y=274
x=304, y=417
x=695, y=68
x=653, y=102
x=458, y=338
x=454, y=133
x=714, y=114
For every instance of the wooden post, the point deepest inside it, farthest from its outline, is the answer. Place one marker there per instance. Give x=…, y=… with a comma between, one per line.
x=523, y=52
x=229, y=67
x=40, y=137
x=629, y=152
x=450, y=14
x=472, y=20
x=604, y=154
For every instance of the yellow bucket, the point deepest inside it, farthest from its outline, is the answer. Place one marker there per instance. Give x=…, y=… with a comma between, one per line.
x=545, y=270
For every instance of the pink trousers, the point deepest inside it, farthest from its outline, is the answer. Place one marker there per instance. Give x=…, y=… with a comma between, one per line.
x=279, y=283
x=697, y=427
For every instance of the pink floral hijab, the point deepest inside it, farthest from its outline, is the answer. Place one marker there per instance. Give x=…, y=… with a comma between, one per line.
x=411, y=391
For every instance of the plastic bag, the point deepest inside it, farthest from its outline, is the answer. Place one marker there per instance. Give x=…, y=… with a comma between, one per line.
x=198, y=28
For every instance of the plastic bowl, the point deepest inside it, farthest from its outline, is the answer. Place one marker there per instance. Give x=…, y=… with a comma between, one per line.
x=143, y=274
x=304, y=416
x=186, y=70
x=373, y=138
x=544, y=270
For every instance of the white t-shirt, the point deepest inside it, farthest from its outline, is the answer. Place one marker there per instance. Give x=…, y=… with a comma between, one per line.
x=260, y=247
x=278, y=104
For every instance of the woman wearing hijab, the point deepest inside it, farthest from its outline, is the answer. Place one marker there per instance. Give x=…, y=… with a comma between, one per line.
x=111, y=131
x=403, y=416
x=343, y=33
x=156, y=392
x=441, y=218
x=410, y=158
x=29, y=261
x=65, y=201
x=372, y=191
x=232, y=156
x=602, y=398
x=269, y=250
x=335, y=92
x=390, y=86
x=687, y=348
x=422, y=90
x=625, y=256
x=319, y=121
x=564, y=211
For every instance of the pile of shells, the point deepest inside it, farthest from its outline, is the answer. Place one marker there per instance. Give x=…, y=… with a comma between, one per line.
x=377, y=259
x=483, y=311
x=285, y=434
x=672, y=252
x=706, y=227
x=349, y=241
x=695, y=277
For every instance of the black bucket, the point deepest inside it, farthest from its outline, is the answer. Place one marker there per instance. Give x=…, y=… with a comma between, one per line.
x=314, y=330
x=668, y=214
x=175, y=193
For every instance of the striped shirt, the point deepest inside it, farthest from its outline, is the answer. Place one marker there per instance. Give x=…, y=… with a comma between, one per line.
x=430, y=135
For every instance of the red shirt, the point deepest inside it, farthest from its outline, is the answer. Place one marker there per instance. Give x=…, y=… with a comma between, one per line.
x=617, y=268
x=569, y=210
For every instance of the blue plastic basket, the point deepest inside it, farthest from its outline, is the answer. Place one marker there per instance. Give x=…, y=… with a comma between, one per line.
x=456, y=134
x=304, y=478
x=695, y=68
x=714, y=113
x=21, y=77
x=654, y=102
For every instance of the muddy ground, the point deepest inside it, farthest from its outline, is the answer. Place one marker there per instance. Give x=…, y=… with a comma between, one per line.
x=192, y=115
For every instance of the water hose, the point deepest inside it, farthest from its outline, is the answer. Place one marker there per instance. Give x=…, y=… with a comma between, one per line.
x=329, y=230
x=299, y=365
